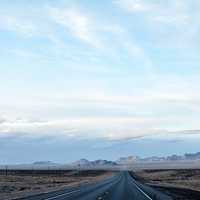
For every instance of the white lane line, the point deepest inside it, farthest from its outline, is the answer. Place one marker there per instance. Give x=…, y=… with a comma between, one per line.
x=60, y=195
x=146, y=195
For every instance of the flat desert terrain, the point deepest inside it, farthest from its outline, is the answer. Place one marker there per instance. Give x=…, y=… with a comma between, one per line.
x=181, y=184
x=20, y=184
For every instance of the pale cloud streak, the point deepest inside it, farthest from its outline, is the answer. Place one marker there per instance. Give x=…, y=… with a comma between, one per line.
x=17, y=24
x=111, y=128
x=77, y=23
x=135, y=5
x=90, y=30
x=164, y=12
x=107, y=37
x=92, y=127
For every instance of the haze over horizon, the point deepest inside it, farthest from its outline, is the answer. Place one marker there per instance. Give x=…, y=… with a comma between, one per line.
x=98, y=79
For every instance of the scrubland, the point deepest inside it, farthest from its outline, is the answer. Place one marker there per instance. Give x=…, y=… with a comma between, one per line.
x=181, y=184
x=25, y=183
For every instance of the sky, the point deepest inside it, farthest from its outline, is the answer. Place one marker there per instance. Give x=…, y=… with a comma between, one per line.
x=98, y=79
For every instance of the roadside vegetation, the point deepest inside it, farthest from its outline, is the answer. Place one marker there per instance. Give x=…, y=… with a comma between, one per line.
x=21, y=183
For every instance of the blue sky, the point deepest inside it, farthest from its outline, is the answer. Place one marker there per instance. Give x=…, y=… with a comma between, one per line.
x=113, y=78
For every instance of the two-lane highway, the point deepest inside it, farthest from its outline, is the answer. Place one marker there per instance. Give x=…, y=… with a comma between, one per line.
x=120, y=187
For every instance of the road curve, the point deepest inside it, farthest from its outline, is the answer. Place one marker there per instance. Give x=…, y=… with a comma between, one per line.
x=119, y=187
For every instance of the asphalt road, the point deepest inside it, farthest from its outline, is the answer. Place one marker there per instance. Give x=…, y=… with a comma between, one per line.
x=119, y=187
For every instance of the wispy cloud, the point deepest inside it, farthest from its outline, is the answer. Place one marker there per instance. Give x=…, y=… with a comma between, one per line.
x=17, y=24
x=135, y=5
x=164, y=12
x=77, y=22
x=58, y=24
x=109, y=129
x=136, y=101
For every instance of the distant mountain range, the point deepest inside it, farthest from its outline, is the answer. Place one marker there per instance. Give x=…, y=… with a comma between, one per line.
x=127, y=161
x=135, y=159
x=95, y=163
x=44, y=163
x=187, y=156
x=192, y=155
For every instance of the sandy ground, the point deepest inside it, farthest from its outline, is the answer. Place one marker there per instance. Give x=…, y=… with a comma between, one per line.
x=180, y=184
x=15, y=186
x=189, y=179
